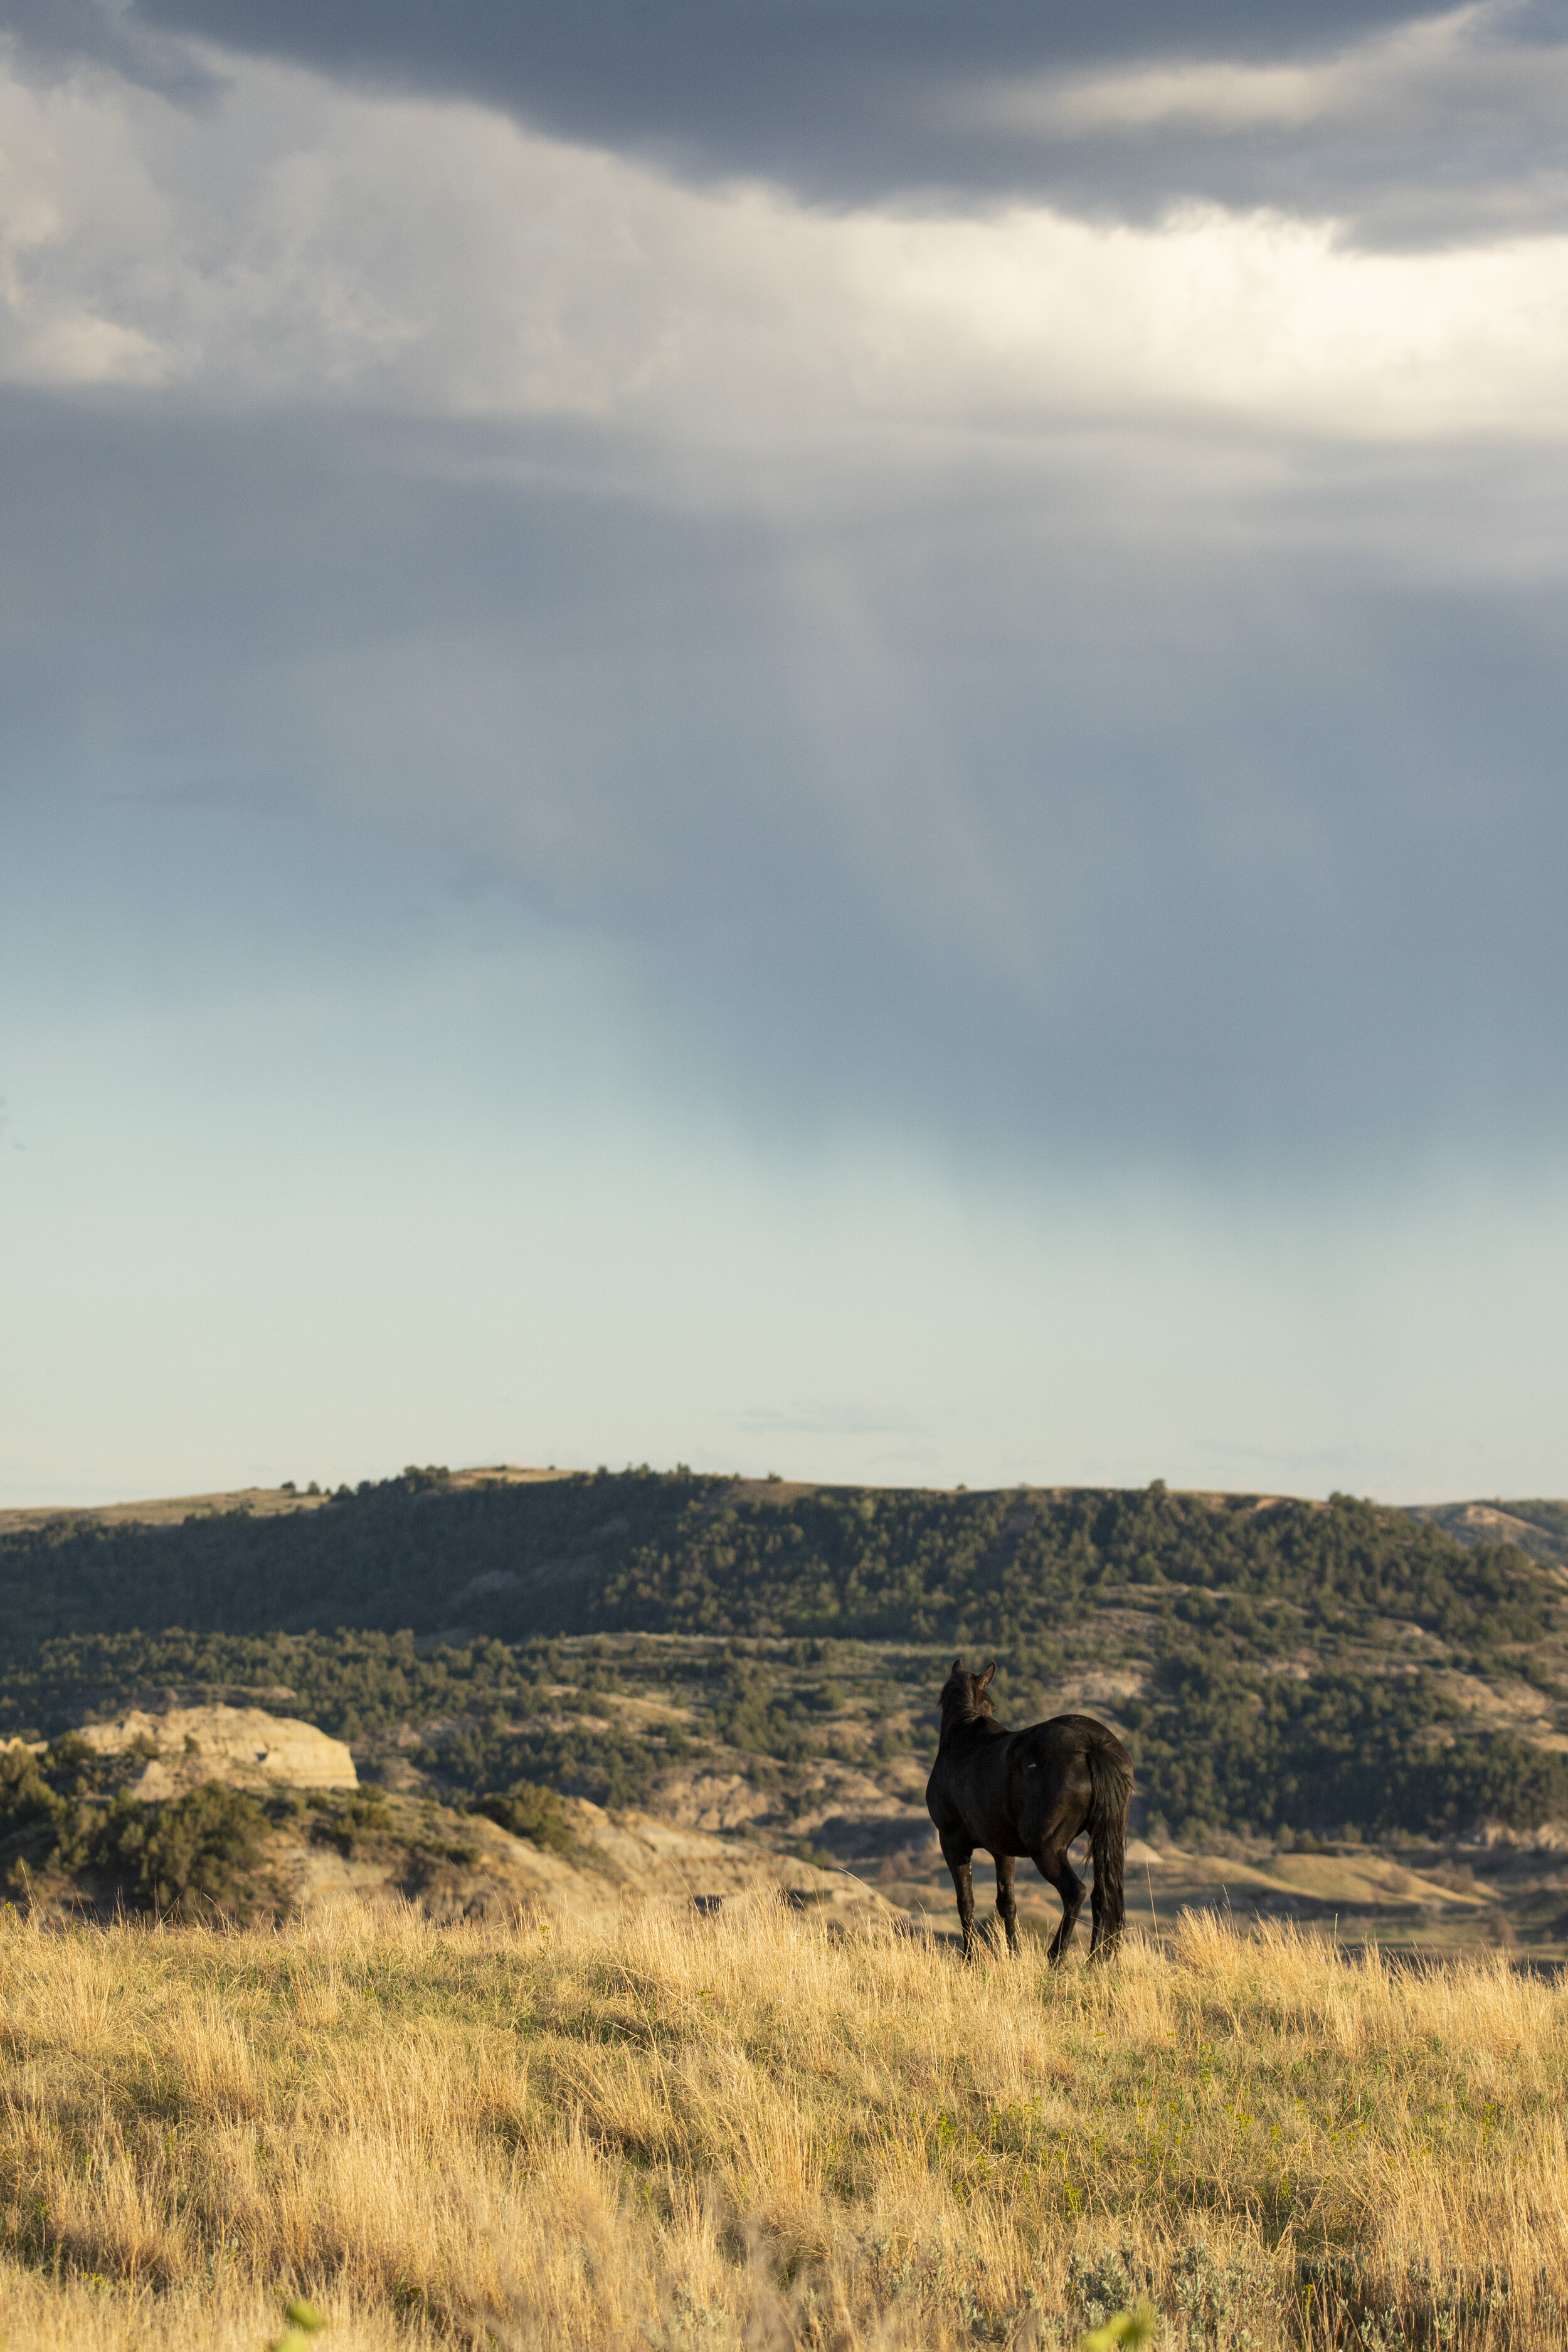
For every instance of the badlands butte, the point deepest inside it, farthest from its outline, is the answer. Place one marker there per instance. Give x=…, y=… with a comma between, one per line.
x=498, y=1691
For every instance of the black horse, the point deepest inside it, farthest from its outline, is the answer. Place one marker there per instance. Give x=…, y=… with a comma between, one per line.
x=1029, y=1793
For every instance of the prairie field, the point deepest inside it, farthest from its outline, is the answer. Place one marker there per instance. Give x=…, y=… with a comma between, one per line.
x=674, y=2130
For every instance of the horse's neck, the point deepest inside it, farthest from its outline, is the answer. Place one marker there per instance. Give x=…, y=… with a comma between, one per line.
x=964, y=1731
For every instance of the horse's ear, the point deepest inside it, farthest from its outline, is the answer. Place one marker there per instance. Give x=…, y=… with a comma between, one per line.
x=986, y=1675
x=956, y=1665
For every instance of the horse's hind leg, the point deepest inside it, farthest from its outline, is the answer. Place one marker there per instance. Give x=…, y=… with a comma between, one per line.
x=1006, y=1901
x=1057, y=1870
x=959, y=1856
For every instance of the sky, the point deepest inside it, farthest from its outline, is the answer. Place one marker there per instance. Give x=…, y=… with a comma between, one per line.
x=809, y=739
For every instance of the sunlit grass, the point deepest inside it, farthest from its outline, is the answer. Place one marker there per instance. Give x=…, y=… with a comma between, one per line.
x=740, y=2130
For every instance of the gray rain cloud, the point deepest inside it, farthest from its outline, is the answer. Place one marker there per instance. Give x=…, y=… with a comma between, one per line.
x=1230, y=839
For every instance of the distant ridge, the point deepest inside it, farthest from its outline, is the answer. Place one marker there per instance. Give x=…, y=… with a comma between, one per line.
x=1540, y=1528
x=501, y=1550
x=263, y=1502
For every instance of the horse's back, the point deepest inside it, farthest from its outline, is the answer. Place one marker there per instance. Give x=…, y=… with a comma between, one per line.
x=1067, y=1736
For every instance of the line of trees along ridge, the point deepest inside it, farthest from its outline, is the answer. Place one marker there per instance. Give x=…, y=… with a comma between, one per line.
x=675, y=1553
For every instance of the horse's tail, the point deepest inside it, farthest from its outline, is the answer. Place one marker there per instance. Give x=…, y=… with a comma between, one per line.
x=1110, y=1780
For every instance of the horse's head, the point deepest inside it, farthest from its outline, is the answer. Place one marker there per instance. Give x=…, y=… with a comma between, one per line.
x=966, y=1698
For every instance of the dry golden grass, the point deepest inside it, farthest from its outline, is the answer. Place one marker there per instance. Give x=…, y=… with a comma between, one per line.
x=738, y=2132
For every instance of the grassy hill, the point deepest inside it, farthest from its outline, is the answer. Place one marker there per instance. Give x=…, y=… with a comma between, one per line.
x=1283, y=1669
x=741, y=2132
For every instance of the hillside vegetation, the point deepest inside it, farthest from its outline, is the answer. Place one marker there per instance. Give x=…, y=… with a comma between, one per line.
x=742, y=2133
x=682, y=1554
x=1282, y=1669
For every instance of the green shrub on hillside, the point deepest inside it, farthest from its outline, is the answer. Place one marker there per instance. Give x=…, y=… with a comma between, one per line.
x=28, y=1798
x=195, y=1852
x=530, y=1811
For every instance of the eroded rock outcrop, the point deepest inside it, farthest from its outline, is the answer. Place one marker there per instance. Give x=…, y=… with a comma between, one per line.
x=242, y=1746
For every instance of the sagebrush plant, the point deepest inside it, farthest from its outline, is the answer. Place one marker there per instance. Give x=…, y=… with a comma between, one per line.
x=738, y=2131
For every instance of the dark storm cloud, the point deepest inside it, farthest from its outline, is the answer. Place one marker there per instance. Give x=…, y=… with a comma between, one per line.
x=870, y=102
x=1227, y=842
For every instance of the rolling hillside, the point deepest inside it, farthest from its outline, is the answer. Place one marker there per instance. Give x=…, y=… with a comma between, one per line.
x=516, y=1556
x=761, y=1658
